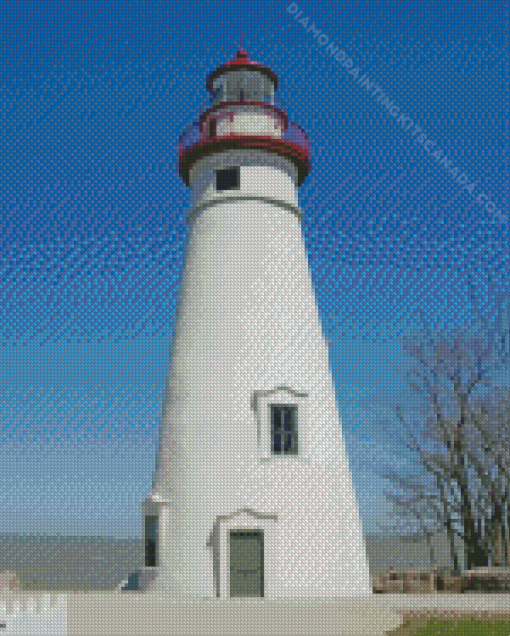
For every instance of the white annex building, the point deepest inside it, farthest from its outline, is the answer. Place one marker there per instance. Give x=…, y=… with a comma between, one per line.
x=252, y=493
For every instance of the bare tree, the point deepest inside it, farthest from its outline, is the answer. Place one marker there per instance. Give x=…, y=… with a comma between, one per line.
x=439, y=465
x=492, y=422
x=499, y=332
x=488, y=453
x=416, y=503
x=461, y=369
x=487, y=434
x=460, y=365
x=441, y=502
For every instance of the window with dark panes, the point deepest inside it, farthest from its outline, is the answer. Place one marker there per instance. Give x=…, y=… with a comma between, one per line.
x=151, y=540
x=228, y=179
x=284, y=430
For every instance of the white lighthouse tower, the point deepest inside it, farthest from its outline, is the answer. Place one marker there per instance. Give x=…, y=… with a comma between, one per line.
x=252, y=493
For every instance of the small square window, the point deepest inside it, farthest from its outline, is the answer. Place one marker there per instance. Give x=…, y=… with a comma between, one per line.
x=228, y=179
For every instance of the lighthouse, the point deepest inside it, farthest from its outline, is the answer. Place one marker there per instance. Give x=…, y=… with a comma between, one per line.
x=252, y=494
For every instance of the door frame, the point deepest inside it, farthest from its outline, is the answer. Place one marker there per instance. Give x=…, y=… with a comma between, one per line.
x=219, y=540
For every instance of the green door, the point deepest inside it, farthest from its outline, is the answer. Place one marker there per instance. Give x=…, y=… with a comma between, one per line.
x=246, y=563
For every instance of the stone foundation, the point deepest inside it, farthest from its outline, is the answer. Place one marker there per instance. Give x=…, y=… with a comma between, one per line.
x=431, y=582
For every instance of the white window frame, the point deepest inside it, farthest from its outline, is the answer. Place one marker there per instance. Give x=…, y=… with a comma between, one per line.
x=261, y=403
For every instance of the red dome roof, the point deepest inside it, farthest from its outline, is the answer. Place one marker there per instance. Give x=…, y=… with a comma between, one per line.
x=241, y=62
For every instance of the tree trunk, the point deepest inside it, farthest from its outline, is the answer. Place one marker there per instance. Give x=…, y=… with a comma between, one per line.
x=498, y=548
x=508, y=540
x=506, y=533
x=496, y=536
x=449, y=526
x=475, y=554
x=432, y=559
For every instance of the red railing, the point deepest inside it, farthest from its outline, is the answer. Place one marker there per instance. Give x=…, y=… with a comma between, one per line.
x=193, y=136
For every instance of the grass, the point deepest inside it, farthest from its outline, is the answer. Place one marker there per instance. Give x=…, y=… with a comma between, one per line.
x=454, y=624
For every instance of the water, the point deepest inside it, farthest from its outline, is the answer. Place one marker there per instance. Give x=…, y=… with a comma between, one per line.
x=101, y=563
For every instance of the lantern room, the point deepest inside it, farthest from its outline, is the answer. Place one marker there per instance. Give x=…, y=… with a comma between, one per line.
x=242, y=86
x=242, y=114
x=242, y=80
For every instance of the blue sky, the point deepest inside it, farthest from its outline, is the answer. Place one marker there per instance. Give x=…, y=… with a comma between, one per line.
x=94, y=97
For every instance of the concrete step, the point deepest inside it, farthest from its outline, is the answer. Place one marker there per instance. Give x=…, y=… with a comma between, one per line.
x=153, y=614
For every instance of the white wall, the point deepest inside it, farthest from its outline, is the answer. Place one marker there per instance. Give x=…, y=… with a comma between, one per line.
x=248, y=321
x=32, y=613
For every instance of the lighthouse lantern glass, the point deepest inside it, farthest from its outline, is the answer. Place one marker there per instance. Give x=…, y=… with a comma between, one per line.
x=239, y=86
x=217, y=92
